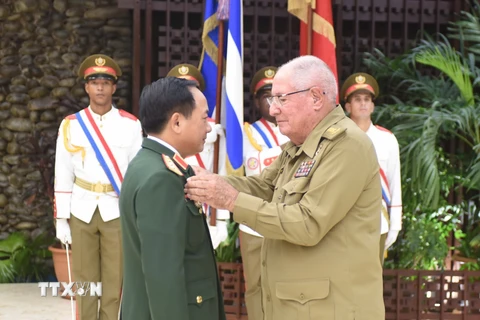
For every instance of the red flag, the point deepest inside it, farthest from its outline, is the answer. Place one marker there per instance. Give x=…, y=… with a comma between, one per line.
x=323, y=35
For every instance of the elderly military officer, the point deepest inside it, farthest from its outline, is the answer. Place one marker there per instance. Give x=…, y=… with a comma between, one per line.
x=94, y=147
x=205, y=158
x=261, y=145
x=359, y=91
x=170, y=270
x=317, y=205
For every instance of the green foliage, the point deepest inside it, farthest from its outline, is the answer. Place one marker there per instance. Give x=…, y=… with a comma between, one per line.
x=228, y=250
x=430, y=101
x=23, y=259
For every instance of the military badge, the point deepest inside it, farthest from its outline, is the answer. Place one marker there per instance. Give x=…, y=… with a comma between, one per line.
x=100, y=61
x=252, y=163
x=360, y=79
x=183, y=70
x=304, y=168
x=269, y=73
x=170, y=165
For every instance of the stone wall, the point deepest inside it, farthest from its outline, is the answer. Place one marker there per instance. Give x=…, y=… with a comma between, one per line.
x=42, y=43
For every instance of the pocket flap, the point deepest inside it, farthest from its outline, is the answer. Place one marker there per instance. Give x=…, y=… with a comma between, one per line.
x=200, y=291
x=297, y=185
x=196, y=211
x=303, y=292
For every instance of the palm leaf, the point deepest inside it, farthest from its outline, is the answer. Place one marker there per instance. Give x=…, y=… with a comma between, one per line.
x=442, y=56
x=14, y=242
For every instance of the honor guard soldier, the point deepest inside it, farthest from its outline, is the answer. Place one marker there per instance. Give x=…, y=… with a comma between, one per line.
x=93, y=150
x=261, y=146
x=205, y=158
x=359, y=92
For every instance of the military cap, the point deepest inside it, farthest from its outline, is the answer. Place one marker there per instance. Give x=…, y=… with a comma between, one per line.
x=99, y=66
x=189, y=72
x=263, y=79
x=359, y=81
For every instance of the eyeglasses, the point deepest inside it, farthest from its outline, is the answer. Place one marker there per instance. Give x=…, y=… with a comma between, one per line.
x=276, y=99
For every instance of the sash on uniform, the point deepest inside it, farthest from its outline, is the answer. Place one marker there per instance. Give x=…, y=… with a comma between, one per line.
x=385, y=193
x=264, y=135
x=102, y=150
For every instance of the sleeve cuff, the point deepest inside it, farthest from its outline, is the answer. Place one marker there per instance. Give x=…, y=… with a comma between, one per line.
x=245, y=210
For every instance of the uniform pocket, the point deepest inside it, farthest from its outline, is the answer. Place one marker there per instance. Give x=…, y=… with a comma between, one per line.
x=202, y=299
x=306, y=300
x=196, y=225
x=295, y=189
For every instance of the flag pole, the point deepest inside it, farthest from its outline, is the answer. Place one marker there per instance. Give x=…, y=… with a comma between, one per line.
x=309, y=28
x=218, y=106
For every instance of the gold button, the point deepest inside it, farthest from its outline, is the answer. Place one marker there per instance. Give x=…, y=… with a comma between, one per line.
x=199, y=299
x=200, y=210
x=302, y=296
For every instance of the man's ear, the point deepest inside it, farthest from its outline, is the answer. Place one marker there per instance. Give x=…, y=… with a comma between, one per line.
x=318, y=97
x=348, y=107
x=114, y=88
x=86, y=87
x=175, y=122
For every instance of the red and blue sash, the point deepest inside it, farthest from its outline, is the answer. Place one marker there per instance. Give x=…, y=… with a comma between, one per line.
x=102, y=150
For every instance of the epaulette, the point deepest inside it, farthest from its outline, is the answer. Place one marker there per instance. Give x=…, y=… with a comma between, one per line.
x=333, y=132
x=170, y=165
x=71, y=117
x=248, y=132
x=383, y=129
x=126, y=114
x=180, y=162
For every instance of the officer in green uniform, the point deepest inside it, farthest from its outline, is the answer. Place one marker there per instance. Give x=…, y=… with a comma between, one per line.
x=170, y=270
x=316, y=205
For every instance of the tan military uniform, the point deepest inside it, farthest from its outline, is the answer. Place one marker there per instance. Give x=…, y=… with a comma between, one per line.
x=317, y=207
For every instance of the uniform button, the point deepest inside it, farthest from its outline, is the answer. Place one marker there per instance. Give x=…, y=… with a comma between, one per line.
x=302, y=296
x=268, y=298
x=264, y=263
x=281, y=170
x=276, y=188
x=199, y=299
x=279, y=197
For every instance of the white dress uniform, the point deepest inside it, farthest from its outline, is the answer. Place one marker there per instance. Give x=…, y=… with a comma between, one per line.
x=261, y=146
x=204, y=160
x=76, y=159
x=386, y=146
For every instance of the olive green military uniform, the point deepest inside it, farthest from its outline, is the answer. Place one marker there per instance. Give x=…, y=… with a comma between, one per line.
x=317, y=207
x=169, y=265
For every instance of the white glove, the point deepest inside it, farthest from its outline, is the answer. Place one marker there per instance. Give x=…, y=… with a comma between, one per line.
x=391, y=238
x=218, y=233
x=218, y=129
x=63, y=231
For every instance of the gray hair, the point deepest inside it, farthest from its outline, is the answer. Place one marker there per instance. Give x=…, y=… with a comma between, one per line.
x=309, y=71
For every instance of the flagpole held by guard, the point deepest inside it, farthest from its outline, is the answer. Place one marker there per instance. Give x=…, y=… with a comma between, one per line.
x=222, y=15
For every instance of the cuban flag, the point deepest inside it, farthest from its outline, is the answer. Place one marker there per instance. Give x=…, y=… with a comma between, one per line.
x=234, y=89
x=208, y=62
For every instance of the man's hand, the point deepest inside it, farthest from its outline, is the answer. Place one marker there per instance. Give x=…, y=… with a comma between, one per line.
x=63, y=231
x=212, y=190
x=391, y=238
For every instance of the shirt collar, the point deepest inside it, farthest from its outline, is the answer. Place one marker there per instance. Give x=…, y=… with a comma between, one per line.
x=309, y=146
x=163, y=143
x=107, y=115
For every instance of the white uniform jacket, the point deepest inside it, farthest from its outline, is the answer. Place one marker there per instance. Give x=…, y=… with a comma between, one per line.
x=386, y=146
x=261, y=145
x=205, y=159
x=75, y=158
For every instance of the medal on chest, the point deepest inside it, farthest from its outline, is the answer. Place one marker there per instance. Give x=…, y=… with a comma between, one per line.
x=304, y=168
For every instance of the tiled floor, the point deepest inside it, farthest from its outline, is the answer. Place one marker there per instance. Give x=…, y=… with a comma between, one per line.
x=22, y=301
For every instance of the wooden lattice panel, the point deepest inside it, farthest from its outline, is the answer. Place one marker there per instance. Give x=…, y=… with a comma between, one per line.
x=410, y=294
x=233, y=287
